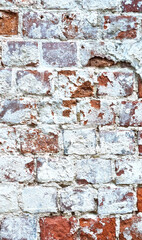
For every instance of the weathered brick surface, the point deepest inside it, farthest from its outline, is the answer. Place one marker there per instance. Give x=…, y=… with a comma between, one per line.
x=120, y=27
x=96, y=112
x=94, y=171
x=131, y=228
x=20, y=54
x=35, y=82
x=130, y=113
x=35, y=141
x=85, y=145
x=128, y=171
x=117, y=142
x=75, y=84
x=59, y=54
x=80, y=199
x=115, y=84
x=113, y=200
x=70, y=119
x=98, y=228
x=19, y=227
x=132, y=6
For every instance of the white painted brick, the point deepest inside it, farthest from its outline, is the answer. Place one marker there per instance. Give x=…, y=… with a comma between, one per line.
x=94, y=170
x=80, y=141
x=38, y=199
x=55, y=169
x=8, y=198
x=78, y=199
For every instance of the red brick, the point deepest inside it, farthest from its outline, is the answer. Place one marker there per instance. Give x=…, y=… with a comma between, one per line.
x=99, y=228
x=120, y=27
x=139, y=199
x=35, y=141
x=131, y=228
x=132, y=6
x=58, y=228
x=59, y=54
x=140, y=87
x=115, y=84
x=41, y=25
x=8, y=23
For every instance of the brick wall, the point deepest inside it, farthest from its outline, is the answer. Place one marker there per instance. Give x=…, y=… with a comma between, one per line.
x=70, y=119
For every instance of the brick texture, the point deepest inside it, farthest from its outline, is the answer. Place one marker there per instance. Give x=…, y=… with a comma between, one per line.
x=70, y=120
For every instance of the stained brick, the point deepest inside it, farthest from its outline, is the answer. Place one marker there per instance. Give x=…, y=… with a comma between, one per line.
x=59, y=54
x=97, y=228
x=115, y=84
x=131, y=228
x=120, y=27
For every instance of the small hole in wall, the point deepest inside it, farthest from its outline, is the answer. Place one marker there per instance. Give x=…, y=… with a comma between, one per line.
x=41, y=16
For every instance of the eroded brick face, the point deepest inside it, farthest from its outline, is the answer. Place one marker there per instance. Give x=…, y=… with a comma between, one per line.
x=132, y=6
x=99, y=228
x=8, y=23
x=131, y=228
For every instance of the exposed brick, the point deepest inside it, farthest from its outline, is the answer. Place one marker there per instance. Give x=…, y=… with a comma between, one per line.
x=55, y=4
x=120, y=27
x=96, y=54
x=113, y=200
x=79, y=141
x=55, y=169
x=128, y=171
x=18, y=111
x=8, y=23
x=41, y=25
x=93, y=171
x=80, y=199
x=115, y=84
x=77, y=26
x=96, y=112
x=130, y=113
x=117, y=142
x=59, y=54
x=131, y=228
x=58, y=228
x=139, y=199
x=97, y=228
x=18, y=227
x=59, y=112
x=8, y=198
x=75, y=84
x=35, y=82
x=132, y=6
x=140, y=142
x=34, y=141
x=36, y=199
x=94, y=5
x=20, y=54
x=16, y=168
